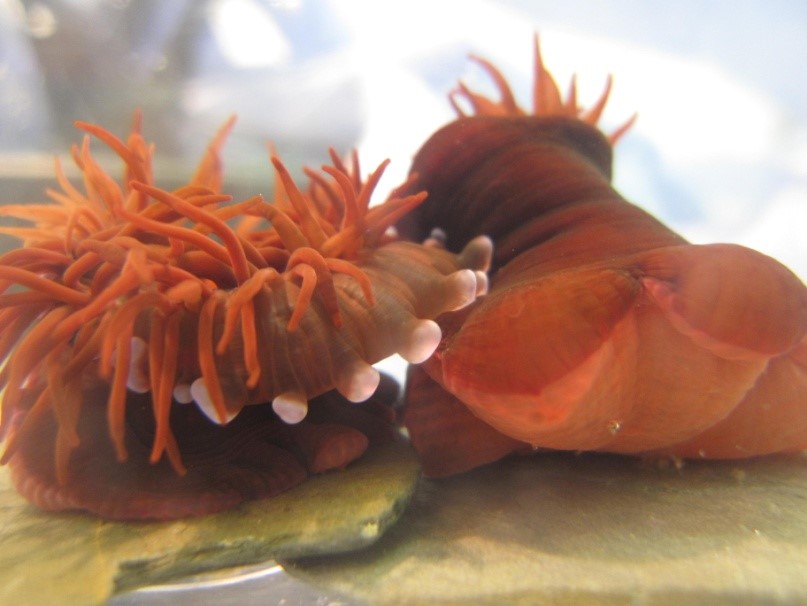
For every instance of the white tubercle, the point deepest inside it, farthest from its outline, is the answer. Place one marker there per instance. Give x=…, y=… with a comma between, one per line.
x=290, y=406
x=358, y=382
x=203, y=400
x=422, y=339
x=182, y=393
x=437, y=238
x=463, y=287
x=138, y=380
x=482, y=283
x=478, y=253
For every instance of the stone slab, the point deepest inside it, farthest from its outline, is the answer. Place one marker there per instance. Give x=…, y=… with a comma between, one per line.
x=589, y=529
x=72, y=558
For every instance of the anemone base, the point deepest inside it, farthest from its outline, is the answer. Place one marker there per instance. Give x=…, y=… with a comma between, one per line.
x=253, y=457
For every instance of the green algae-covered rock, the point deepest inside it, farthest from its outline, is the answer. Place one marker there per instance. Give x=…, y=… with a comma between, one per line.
x=73, y=558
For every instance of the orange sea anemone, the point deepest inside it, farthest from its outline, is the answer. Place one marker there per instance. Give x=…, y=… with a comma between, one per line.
x=127, y=302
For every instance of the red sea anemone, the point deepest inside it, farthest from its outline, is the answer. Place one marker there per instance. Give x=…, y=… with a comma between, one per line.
x=603, y=329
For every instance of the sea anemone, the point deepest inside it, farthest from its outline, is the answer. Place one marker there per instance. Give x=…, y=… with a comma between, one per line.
x=126, y=289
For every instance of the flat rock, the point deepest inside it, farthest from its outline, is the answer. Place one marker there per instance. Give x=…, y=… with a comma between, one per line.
x=589, y=529
x=72, y=558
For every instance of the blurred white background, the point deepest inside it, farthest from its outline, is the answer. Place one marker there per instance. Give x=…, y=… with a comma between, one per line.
x=719, y=150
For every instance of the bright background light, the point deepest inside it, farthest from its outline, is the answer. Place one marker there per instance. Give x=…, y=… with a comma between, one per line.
x=719, y=151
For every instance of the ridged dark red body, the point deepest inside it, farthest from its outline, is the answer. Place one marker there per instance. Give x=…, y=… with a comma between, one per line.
x=603, y=329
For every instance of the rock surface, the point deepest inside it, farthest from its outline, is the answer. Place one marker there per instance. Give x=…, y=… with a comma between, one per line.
x=73, y=558
x=589, y=529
